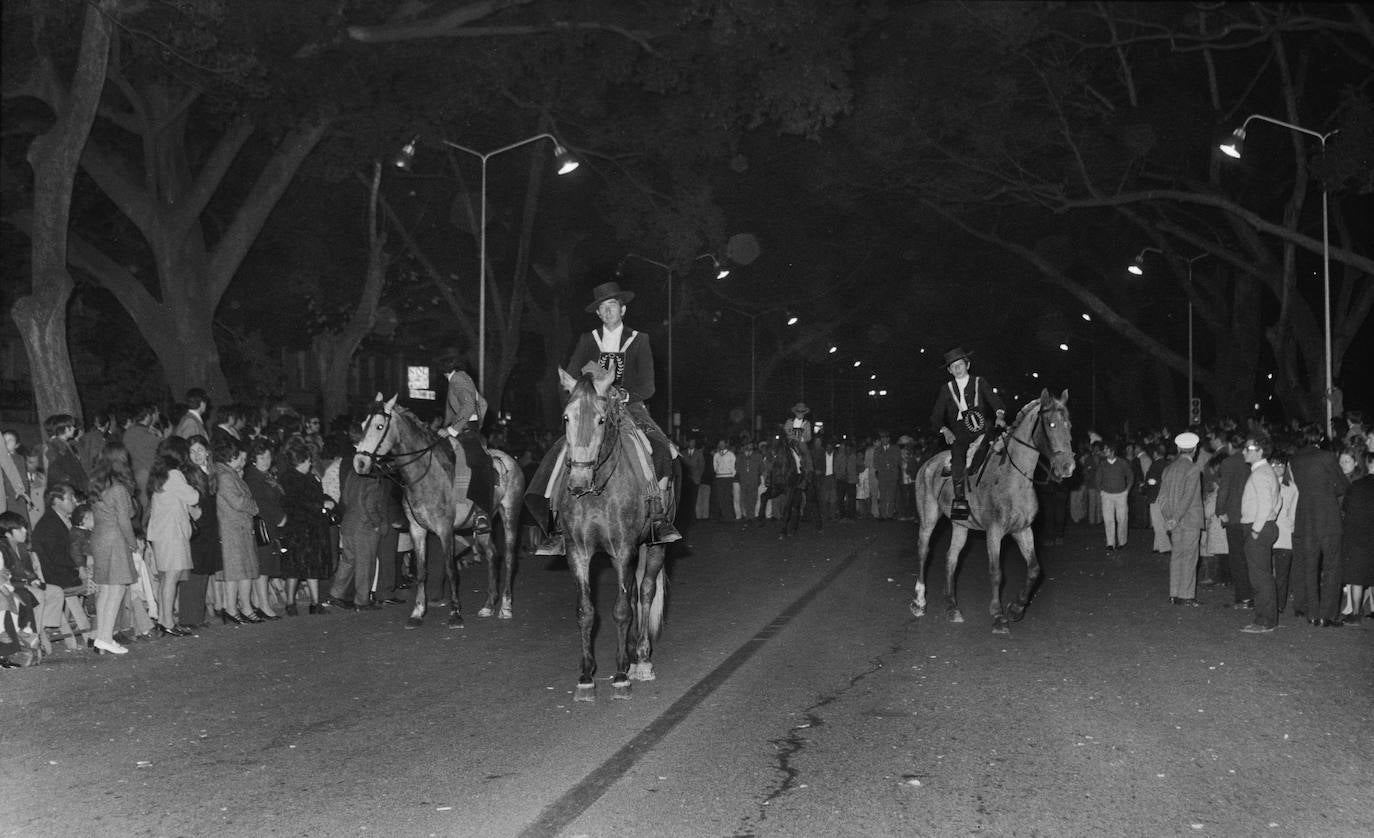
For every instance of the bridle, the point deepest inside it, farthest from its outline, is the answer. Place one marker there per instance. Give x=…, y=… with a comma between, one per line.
x=392, y=462
x=602, y=466
x=1037, y=427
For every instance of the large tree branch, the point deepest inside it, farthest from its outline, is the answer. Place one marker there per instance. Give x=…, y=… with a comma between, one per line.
x=272, y=181
x=211, y=174
x=120, y=186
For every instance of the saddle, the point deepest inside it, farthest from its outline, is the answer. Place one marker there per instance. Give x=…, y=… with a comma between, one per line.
x=978, y=456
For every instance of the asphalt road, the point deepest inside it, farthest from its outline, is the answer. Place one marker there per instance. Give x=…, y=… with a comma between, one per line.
x=796, y=696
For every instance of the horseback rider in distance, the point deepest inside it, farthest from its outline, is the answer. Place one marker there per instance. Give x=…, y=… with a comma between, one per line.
x=474, y=476
x=959, y=416
x=627, y=355
x=798, y=432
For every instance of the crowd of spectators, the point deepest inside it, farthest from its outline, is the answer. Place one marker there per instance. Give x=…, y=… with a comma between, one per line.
x=142, y=526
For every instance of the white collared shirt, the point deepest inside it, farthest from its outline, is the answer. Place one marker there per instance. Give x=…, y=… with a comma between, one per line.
x=610, y=338
x=959, y=385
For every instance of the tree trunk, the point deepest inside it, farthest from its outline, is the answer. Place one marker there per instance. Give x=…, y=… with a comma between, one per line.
x=54, y=156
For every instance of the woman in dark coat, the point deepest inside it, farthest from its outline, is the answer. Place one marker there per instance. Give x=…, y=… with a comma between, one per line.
x=263, y=485
x=309, y=553
x=1358, y=539
x=206, y=559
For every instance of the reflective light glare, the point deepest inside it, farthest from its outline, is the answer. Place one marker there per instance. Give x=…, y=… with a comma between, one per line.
x=873, y=377
x=405, y=156
x=722, y=273
x=856, y=364
x=882, y=392
x=1136, y=269
x=1063, y=347
x=1087, y=317
x=1231, y=148
x=872, y=392
x=1270, y=376
x=834, y=349
x=1035, y=375
x=792, y=320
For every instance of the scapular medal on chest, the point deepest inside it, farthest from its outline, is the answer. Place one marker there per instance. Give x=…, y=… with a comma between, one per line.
x=970, y=415
x=613, y=360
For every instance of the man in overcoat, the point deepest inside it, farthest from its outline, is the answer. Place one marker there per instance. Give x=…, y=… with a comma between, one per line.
x=1180, y=505
x=1316, y=571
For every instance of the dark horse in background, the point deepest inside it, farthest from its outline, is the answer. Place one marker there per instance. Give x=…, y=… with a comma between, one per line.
x=602, y=503
x=423, y=460
x=794, y=488
x=1001, y=501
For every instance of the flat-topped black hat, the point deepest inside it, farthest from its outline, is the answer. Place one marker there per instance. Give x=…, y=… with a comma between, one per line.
x=608, y=291
x=956, y=353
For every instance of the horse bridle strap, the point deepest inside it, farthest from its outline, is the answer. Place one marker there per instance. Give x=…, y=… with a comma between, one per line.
x=610, y=448
x=1039, y=417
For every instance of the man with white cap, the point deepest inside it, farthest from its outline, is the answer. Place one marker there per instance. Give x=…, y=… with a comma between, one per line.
x=1180, y=502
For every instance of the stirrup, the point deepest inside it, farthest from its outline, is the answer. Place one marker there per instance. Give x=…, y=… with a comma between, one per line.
x=553, y=544
x=959, y=510
x=481, y=523
x=663, y=532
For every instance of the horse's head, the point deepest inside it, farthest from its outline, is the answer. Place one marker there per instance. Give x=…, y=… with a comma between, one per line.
x=377, y=435
x=1054, y=423
x=584, y=425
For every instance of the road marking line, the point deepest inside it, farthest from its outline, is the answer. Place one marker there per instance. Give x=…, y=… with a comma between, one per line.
x=578, y=799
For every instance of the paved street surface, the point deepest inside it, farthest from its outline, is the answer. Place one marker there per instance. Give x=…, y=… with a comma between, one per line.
x=796, y=696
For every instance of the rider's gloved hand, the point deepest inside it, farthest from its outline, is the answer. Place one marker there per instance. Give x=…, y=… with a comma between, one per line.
x=948, y=435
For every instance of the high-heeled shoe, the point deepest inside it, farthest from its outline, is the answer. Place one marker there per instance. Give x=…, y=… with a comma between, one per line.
x=249, y=617
x=175, y=631
x=226, y=618
x=263, y=615
x=291, y=611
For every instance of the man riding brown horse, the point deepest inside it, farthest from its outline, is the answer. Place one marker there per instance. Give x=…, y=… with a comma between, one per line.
x=960, y=416
x=626, y=354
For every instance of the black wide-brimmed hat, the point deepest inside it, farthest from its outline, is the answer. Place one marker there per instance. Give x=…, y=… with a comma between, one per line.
x=608, y=291
x=956, y=353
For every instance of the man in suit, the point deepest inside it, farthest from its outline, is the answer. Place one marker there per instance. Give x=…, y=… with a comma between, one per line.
x=1180, y=507
x=826, y=470
x=1316, y=571
x=51, y=541
x=960, y=414
x=192, y=423
x=887, y=461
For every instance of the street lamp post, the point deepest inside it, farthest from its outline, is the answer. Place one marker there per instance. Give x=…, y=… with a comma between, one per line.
x=1138, y=268
x=1232, y=148
x=721, y=273
x=566, y=163
x=753, y=317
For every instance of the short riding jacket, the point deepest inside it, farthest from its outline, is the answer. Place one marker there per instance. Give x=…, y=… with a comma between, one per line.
x=976, y=393
x=633, y=365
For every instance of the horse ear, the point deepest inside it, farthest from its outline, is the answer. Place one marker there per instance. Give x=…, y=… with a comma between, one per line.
x=1045, y=397
x=391, y=403
x=567, y=381
x=379, y=397
x=1065, y=397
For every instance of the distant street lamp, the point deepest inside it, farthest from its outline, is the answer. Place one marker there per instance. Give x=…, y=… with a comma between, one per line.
x=721, y=273
x=1232, y=148
x=1137, y=268
x=753, y=318
x=566, y=163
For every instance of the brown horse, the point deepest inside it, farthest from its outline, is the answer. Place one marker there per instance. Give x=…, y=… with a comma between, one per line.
x=793, y=489
x=1001, y=501
x=603, y=509
x=395, y=438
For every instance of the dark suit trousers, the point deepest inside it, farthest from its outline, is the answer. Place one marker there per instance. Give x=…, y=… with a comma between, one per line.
x=1237, y=535
x=1319, y=557
x=1259, y=561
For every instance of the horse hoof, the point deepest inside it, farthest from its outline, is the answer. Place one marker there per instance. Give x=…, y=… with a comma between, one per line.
x=486, y=611
x=999, y=625
x=505, y=614
x=585, y=692
x=1016, y=611
x=414, y=623
x=620, y=688
x=455, y=621
x=917, y=610
x=642, y=672
x=955, y=616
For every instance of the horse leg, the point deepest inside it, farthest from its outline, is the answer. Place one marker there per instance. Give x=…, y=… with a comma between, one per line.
x=957, y=537
x=1025, y=540
x=648, y=611
x=623, y=614
x=580, y=559
x=918, y=601
x=455, y=612
x=418, y=541
x=486, y=550
x=999, y=618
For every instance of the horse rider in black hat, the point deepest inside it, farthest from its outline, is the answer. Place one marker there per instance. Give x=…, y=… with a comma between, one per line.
x=474, y=476
x=627, y=355
x=960, y=415
x=798, y=432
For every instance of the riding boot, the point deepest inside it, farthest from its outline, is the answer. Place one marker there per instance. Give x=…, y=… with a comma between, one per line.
x=959, y=510
x=553, y=545
x=661, y=530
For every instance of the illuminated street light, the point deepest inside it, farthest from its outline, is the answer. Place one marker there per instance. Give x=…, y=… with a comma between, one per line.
x=566, y=163
x=834, y=349
x=1063, y=347
x=1232, y=148
x=792, y=319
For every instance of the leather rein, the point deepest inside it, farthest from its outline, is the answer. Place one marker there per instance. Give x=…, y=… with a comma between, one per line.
x=1035, y=427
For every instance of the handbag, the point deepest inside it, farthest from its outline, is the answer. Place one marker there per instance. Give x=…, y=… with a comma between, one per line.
x=261, y=536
